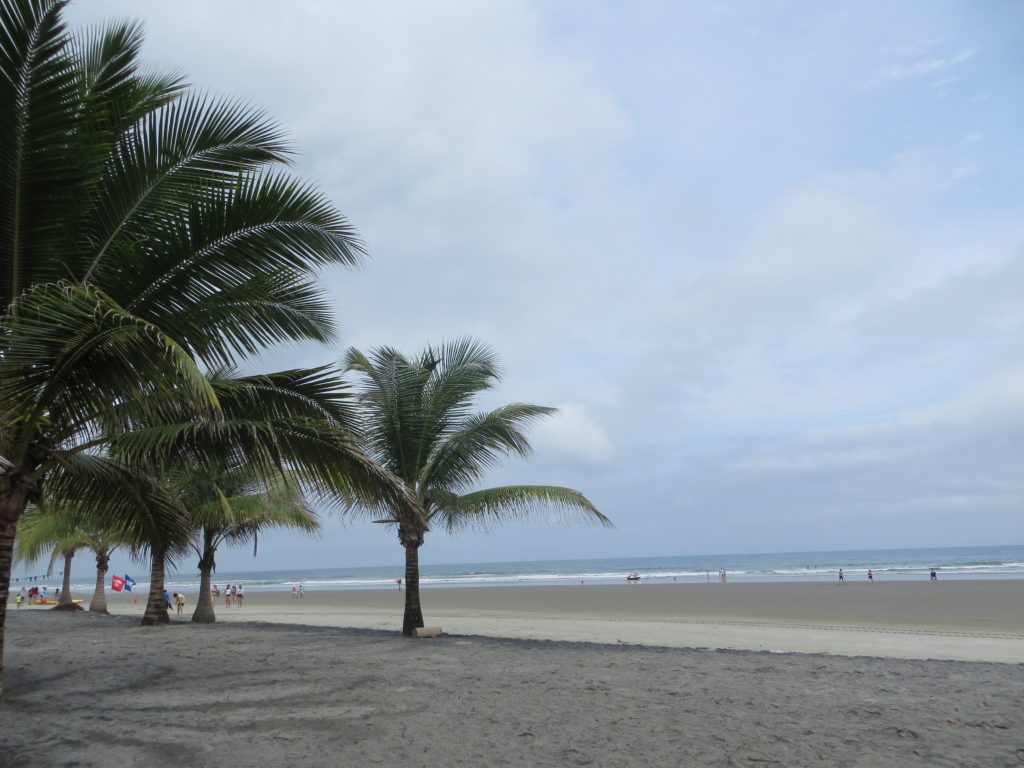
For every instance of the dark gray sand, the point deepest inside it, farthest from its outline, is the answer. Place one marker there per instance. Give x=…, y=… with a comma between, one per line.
x=102, y=692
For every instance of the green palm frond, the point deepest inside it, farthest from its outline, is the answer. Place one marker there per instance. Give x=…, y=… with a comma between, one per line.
x=169, y=159
x=38, y=177
x=116, y=93
x=460, y=370
x=42, y=532
x=72, y=357
x=123, y=497
x=288, y=424
x=234, y=272
x=485, y=508
x=391, y=402
x=418, y=420
x=480, y=444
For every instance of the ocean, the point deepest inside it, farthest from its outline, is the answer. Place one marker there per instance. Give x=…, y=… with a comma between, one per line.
x=1004, y=562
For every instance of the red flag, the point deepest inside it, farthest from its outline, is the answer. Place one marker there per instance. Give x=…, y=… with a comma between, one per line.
x=116, y=583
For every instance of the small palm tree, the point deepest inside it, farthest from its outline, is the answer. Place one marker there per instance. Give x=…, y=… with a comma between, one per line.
x=64, y=529
x=419, y=422
x=280, y=437
x=41, y=532
x=232, y=506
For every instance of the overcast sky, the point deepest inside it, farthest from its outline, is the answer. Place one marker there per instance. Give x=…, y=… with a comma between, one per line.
x=767, y=257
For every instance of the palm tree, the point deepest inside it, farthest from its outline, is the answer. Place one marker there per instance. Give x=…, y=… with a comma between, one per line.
x=41, y=532
x=64, y=532
x=232, y=506
x=419, y=423
x=143, y=231
x=281, y=437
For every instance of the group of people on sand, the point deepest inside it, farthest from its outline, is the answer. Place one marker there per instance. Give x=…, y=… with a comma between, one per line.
x=234, y=594
x=298, y=591
x=933, y=576
x=34, y=595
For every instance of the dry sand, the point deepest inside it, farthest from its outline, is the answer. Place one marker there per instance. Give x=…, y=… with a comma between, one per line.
x=962, y=620
x=94, y=691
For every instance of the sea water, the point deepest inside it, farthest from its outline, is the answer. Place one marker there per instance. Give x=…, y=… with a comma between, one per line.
x=1002, y=562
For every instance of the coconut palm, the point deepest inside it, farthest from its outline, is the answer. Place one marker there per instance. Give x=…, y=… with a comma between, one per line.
x=144, y=231
x=419, y=423
x=230, y=506
x=41, y=532
x=280, y=438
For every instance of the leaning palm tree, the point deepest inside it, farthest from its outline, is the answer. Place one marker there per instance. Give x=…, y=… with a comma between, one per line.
x=144, y=232
x=230, y=506
x=50, y=532
x=62, y=529
x=419, y=422
x=281, y=438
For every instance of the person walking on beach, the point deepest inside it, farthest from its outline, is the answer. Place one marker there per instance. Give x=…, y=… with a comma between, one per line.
x=179, y=600
x=227, y=596
x=240, y=596
x=302, y=591
x=399, y=584
x=935, y=576
x=871, y=576
x=17, y=600
x=295, y=591
x=842, y=578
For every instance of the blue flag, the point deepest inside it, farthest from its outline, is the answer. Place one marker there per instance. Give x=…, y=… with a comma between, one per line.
x=129, y=582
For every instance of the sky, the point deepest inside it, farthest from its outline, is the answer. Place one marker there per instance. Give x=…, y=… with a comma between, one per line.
x=766, y=258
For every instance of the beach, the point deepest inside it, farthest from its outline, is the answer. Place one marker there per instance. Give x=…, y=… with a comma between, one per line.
x=956, y=620
x=719, y=675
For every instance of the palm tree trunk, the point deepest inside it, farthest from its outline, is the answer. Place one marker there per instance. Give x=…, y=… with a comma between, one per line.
x=7, y=530
x=204, y=613
x=65, y=603
x=156, y=606
x=12, y=507
x=98, y=604
x=413, y=619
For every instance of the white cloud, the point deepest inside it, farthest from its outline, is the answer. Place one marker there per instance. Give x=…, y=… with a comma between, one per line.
x=931, y=66
x=962, y=171
x=574, y=434
x=758, y=291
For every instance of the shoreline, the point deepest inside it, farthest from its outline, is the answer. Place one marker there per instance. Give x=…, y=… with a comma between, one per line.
x=954, y=620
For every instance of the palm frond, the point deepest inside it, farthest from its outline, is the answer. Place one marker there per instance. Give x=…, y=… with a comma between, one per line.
x=72, y=357
x=38, y=102
x=172, y=158
x=133, y=502
x=480, y=444
x=42, y=532
x=484, y=508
